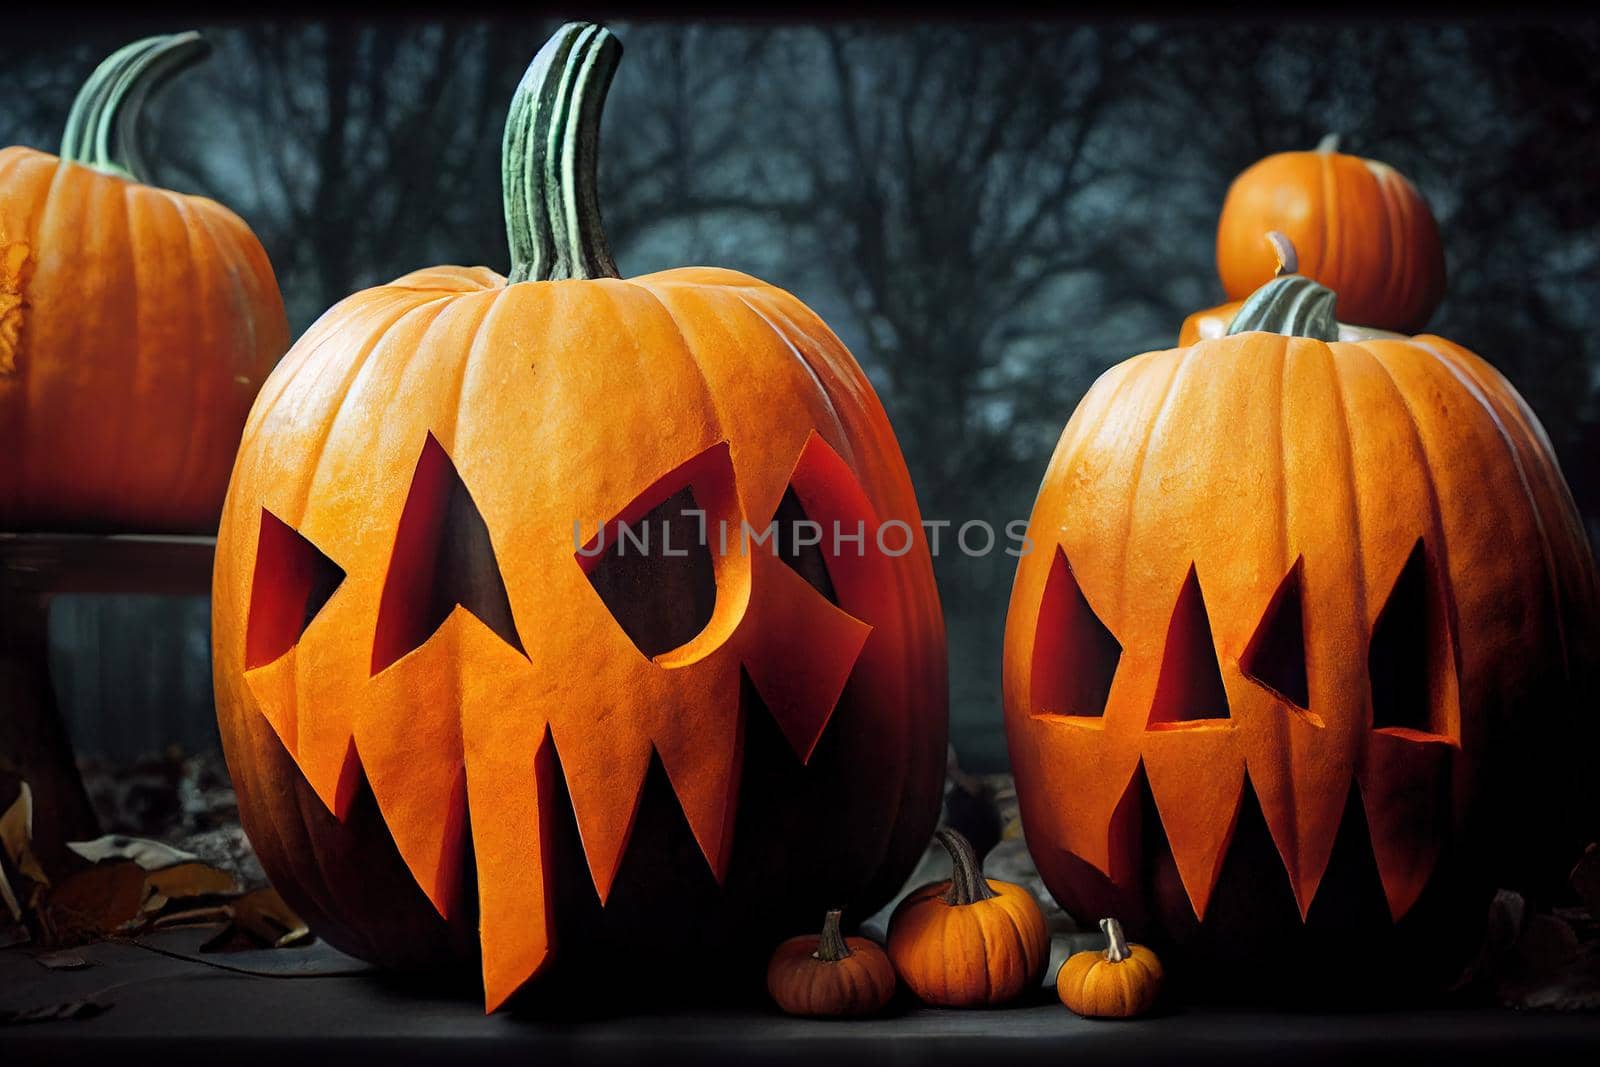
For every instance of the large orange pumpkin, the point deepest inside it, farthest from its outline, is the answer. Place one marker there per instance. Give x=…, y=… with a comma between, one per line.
x=1302, y=651
x=571, y=744
x=1361, y=228
x=136, y=324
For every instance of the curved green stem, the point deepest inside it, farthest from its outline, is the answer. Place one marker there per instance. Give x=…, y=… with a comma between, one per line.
x=1329, y=143
x=100, y=126
x=1290, y=304
x=549, y=155
x=967, y=883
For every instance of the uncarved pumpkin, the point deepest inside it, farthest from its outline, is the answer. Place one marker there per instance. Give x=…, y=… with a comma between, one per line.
x=1361, y=228
x=427, y=661
x=136, y=324
x=1303, y=651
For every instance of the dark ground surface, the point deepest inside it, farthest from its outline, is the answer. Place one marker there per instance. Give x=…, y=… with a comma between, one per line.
x=163, y=1010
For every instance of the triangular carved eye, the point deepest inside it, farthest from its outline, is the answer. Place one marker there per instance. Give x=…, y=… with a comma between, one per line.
x=652, y=564
x=1190, y=688
x=443, y=556
x=794, y=532
x=1075, y=656
x=293, y=580
x=1408, y=652
x=1276, y=654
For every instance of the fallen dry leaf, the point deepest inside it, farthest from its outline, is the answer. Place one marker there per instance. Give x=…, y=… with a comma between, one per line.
x=260, y=920
x=151, y=855
x=62, y=961
x=192, y=879
x=92, y=904
x=16, y=839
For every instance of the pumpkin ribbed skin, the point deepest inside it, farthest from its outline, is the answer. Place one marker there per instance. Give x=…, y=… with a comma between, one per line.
x=856, y=981
x=136, y=325
x=555, y=402
x=968, y=942
x=1361, y=228
x=1218, y=476
x=1119, y=983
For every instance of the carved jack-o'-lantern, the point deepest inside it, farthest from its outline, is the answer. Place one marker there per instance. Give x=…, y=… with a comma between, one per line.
x=451, y=723
x=1299, y=649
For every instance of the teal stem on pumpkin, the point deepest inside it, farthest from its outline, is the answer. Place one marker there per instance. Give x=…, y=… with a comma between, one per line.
x=101, y=124
x=1290, y=304
x=549, y=157
x=1329, y=143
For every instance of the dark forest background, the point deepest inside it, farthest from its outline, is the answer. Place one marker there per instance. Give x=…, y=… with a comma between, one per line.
x=988, y=215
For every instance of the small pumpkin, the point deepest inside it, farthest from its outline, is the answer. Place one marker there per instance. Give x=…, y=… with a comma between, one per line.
x=829, y=975
x=1121, y=982
x=1363, y=230
x=969, y=941
x=136, y=324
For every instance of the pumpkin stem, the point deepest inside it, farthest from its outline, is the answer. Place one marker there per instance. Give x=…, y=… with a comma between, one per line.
x=831, y=947
x=967, y=883
x=1116, y=940
x=1329, y=143
x=549, y=155
x=100, y=126
x=1290, y=304
x=1283, y=248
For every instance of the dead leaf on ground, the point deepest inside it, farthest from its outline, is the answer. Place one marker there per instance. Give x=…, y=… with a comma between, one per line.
x=16, y=840
x=92, y=904
x=151, y=855
x=260, y=920
x=62, y=961
x=188, y=880
x=87, y=1008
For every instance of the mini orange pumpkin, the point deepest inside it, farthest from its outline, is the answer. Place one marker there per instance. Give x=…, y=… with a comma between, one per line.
x=968, y=942
x=1304, y=652
x=830, y=975
x=1360, y=227
x=1121, y=982
x=564, y=739
x=136, y=324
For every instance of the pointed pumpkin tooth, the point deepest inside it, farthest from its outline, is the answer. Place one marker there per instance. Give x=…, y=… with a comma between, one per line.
x=605, y=777
x=509, y=791
x=1405, y=787
x=1197, y=778
x=273, y=687
x=800, y=690
x=408, y=732
x=1303, y=800
x=704, y=765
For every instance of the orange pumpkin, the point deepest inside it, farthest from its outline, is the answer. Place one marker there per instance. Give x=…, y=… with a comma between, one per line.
x=968, y=942
x=1360, y=227
x=136, y=324
x=1301, y=649
x=830, y=976
x=566, y=739
x=1119, y=983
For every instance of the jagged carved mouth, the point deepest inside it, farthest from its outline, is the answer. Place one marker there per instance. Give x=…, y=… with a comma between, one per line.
x=1165, y=719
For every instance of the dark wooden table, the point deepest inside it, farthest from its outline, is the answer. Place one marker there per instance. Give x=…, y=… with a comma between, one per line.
x=163, y=1010
x=34, y=568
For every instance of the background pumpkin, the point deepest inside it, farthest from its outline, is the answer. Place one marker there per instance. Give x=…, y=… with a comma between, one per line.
x=1301, y=655
x=593, y=751
x=1360, y=226
x=136, y=324
x=830, y=975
